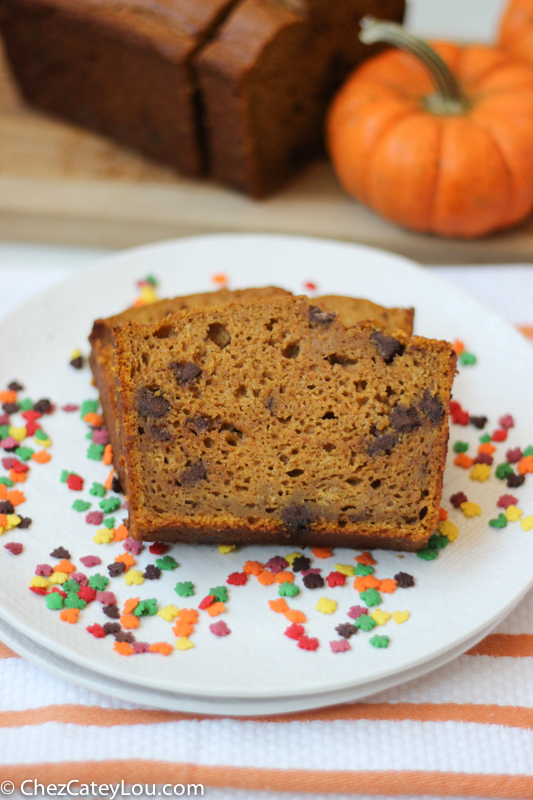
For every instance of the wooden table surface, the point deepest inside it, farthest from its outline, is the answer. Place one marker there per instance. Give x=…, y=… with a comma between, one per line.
x=61, y=184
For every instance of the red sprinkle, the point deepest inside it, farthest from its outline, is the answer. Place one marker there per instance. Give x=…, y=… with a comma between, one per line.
x=75, y=483
x=237, y=578
x=207, y=601
x=459, y=417
x=14, y=547
x=336, y=579
x=310, y=286
x=514, y=455
x=70, y=407
x=87, y=593
x=294, y=631
x=38, y=590
x=307, y=642
x=31, y=415
x=499, y=436
x=96, y=630
x=506, y=421
x=506, y=500
x=158, y=548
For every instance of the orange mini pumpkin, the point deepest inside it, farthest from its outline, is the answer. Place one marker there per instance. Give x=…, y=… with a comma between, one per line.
x=436, y=139
x=516, y=30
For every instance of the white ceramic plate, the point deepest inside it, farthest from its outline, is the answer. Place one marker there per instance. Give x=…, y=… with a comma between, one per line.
x=457, y=597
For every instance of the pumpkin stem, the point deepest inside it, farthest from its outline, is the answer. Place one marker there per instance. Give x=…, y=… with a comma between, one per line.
x=448, y=98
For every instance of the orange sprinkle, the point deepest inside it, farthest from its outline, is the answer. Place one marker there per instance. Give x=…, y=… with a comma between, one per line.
x=139, y=302
x=182, y=628
x=109, y=480
x=130, y=605
x=42, y=457
x=266, y=578
x=458, y=347
x=388, y=585
x=14, y=496
x=253, y=568
x=126, y=559
x=443, y=514
x=3, y=491
x=18, y=477
x=65, y=566
x=220, y=279
x=525, y=465
x=120, y=533
x=215, y=609
x=279, y=606
x=69, y=615
x=295, y=616
x=486, y=447
x=124, y=648
x=94, y=419
x=322, y=552
x=161, y=647
x=3, y=520
x=368, y=582
x=129, y=621
x=464, y=461
x=108, y=455
x=365, y=558
x=188, y=615
x=9, y=396
x=284, y=577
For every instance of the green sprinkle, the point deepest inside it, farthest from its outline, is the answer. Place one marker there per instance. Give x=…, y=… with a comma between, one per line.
x=220, y=592
x=467, y=359
x=4, y=431
x=89, y=434
x=26, y=405
x=7, y=481
x=502, y=471
x=98, y=582
x=25, y=453
x=499, y=522
x=288, y=590
x=64, y=475
x=167, y=562
x=110, y=504
x=109, y=522
x=81, y=505
x=528, y=451
x=95, y=451
x=70, y=586
x=438, y=542
x=428, y=554
x=380, y=641
x=185, y=589
x=151, y=280
x=73, y=601
x=371, y=597
x=363, y=569
x=484, y=438
x=54, y=601
x=98, y=490
x=146, y=608
x=460, y=447
x=365, y=622
x=88, y=407
x=41, y=435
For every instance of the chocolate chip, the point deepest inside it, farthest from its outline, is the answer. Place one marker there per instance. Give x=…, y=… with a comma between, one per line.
x=11, y=408
x=15, y=386
x=112, y=627
x=193, y=474
x=59, y=552
x=116, y=569
x=478, y=422
x=116, y=485
x=388, y=346
x=405, y=420
x=6, y=507
x=458, y=498
x=320, y=317
x=113, y=611
x=25, y=522
x=269, y=405
x=185, y=373
x=346, y=629
x=78, y=362
x=152, y=572
x=43, y=406
x=199, y=424
x=151, y=405
x=297, y=518
x=124, y=636
x=432, y=408
x=313, y=581
x=514, y=481
x=382, y=443
x=404, y=580
x=161, y=434
x=300, y=564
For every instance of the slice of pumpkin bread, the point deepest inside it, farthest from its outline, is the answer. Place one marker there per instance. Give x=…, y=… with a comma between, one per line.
x=269, y=421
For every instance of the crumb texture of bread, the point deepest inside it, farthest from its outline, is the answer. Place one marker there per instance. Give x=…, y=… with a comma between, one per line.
x=352, y=310
x=268, y=421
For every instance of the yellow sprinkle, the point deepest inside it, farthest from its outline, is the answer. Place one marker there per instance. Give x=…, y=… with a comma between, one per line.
x=18, y=433
x=226, y=548
x=133, y=576
x=58, y=577
x=290, y=558
x=184, y=643
x=75, y=354
x=512, y=514
x=2, y=530
x=103, y=536
x=471, y=509
x=40, y=582
x=480, y=472
x=43, y=442
x=400, y=616
x=527, y=522
x=12, y=521
x=345, y=569
x=168, y=612
x=326, y=606
x=380, y=616
x=449, y=529
x=149, y=294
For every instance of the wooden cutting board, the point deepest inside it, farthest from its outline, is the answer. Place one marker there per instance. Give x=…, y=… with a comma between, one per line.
x=61, y=184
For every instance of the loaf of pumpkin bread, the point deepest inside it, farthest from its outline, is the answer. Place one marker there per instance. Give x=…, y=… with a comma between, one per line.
x=268, y=421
